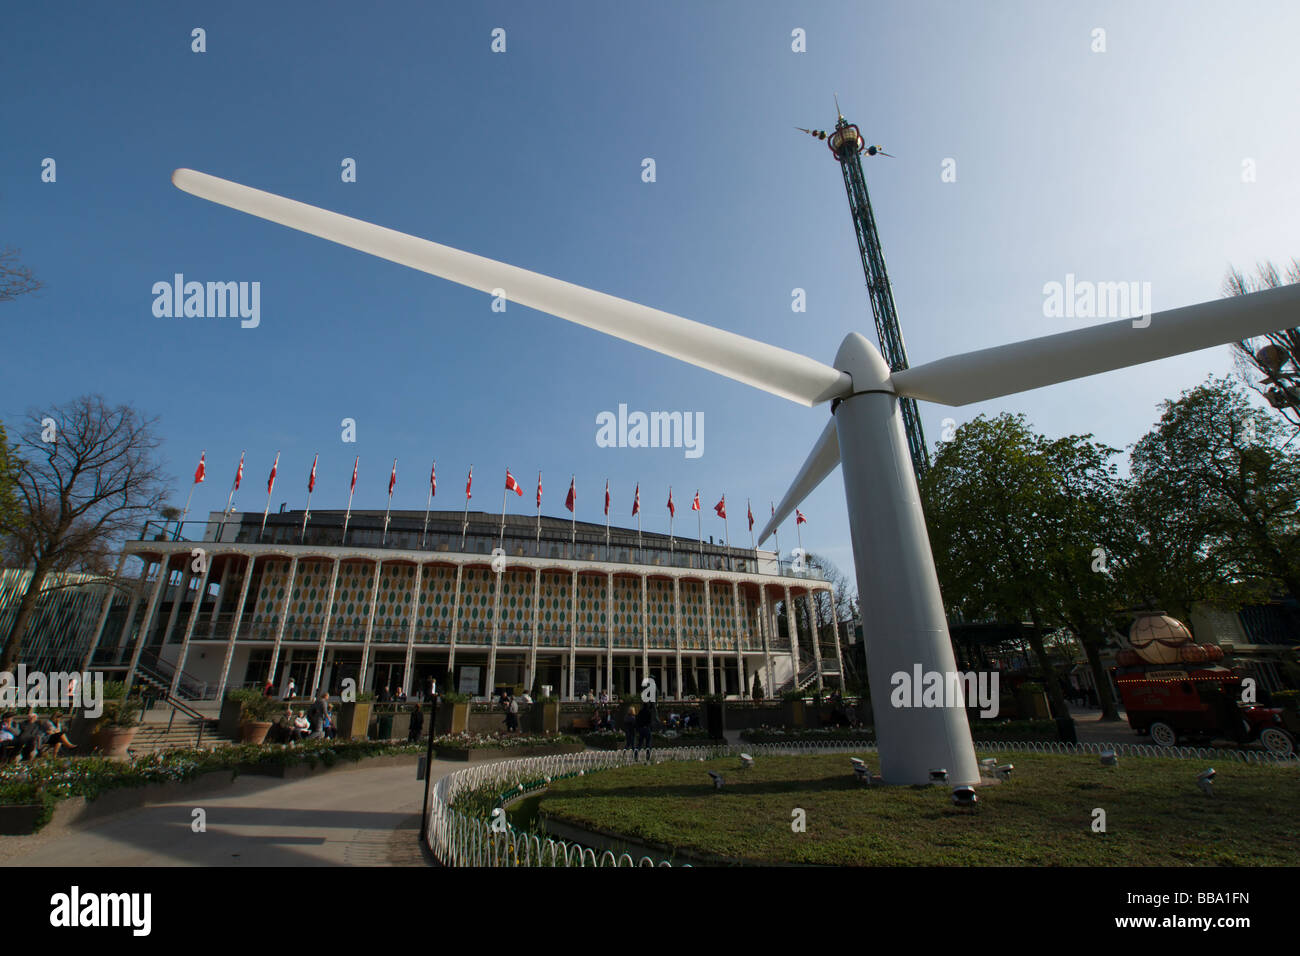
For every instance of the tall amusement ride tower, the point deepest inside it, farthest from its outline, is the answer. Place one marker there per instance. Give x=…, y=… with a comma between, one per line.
x=847, y=146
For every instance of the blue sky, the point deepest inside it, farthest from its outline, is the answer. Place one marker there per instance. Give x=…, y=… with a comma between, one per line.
x=1115, y=166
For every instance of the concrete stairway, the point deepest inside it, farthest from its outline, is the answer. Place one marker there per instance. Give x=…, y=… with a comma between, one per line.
x=184, y=733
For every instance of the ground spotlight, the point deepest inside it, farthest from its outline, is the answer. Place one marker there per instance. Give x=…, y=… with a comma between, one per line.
x=1205, y=780
x=965, y=797
x=939, y=775
x=747, y=761
x=1109, y=759
x=861, y=770
x=988, y=763
x=1003, y=771
x=717, y=779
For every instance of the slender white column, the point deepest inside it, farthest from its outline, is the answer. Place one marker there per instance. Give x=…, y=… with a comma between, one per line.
x=793, y=627
x=532, y=655
x=609, y=631
x=677, y=625
x=455, y=629
x=189, y=626
x=221, y=595
x=284, y=615
x=765, y=628
x=110, y=593
x=186, y=577
x=740, y=637
x=370, y=625
x=708, y=627
x=573, y=633
x=325, y=627
x=234, y=627
x=645, y=626
x=835, y=629
x=492, y=650
x=137, y=591
x=164, y=572
x=816, y=636
x=410, y=636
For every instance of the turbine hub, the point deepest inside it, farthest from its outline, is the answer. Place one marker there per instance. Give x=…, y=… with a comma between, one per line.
x=864, y=364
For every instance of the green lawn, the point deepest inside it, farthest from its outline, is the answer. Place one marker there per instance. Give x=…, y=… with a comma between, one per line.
x=1155, y=814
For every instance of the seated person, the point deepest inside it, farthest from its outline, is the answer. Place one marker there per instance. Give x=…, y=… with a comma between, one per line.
x=301, y=726
x=55, y=738
x=8, y=738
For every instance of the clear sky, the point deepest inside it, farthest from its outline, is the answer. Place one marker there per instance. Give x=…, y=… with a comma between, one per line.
x=1123, y=165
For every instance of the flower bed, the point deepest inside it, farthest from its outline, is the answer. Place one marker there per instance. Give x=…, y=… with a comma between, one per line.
x=469, y=746
x=48, y=781
x=980, y=730
x=616, y=739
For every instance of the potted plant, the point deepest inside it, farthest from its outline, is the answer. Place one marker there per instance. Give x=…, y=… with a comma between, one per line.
x=255, y=714
x=353, y=717
x=453, y=714
x=792, y=708
x=116, y=729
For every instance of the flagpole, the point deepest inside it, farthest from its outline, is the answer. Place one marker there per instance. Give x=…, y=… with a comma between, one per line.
x=383, y=539
x=465, y=521
x=427, y=505
x=671, y=546
x=270, y=486
x=230, y=501
x=749, y=515
x=726, y=526
x=539, y=511
x=185, y=512
x=501, y=539
x=776, y=540
x=640, y=556
x=351, y=491
x=573, y=515
x=606, y=519
x=699, y=526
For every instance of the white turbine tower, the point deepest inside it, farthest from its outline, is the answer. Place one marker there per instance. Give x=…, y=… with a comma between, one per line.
x=897, y=584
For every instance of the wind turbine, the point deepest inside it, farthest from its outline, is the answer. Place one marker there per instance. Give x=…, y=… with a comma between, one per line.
x=897, y=584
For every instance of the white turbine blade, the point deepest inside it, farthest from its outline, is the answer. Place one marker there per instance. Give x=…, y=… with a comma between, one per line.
x=1007, y=369
x=763, y=366
x=821, y=462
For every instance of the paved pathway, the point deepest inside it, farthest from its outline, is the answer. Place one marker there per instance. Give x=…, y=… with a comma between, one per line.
x=352, y=817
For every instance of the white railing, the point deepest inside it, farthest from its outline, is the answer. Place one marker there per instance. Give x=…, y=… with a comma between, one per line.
x=458, y=838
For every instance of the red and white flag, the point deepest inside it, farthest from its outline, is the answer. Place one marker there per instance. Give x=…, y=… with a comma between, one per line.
x=201, y=472
x=695, y=505
x=239, y=474
x=572, y=498
x=749, y=509
x=799, y=518
x=672, y=509
x=311, y=482
x=270, y=482
x=512, y=485
x=353, y=489
x=636, y=504
x=721, y=507
x=606, y=496
x=433, y=479
x=392, y=479
x=469, y=480
x=539, y=489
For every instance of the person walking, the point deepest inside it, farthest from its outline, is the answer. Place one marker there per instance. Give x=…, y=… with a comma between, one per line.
x=316, y=714
x=629, y=729
x=645, y=722
x=417, y=724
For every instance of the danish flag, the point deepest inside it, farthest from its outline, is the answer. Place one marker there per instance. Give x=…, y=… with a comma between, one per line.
x=311, y=482
x=749, y=509
x=469, y=481
x=695, y=505
x=270, y=482
x=606, y=496
x=512, y=485
x=354, y=475
x=539, y=489
x=799, y=518
x=239, y=474
x=672, y=509
x=433, y=479
x=201, y=472
x=721, y=507
x=392, y=479
x=572, y=499
x=636, y=504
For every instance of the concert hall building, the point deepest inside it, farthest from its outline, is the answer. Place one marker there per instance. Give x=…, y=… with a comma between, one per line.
x=225, y=603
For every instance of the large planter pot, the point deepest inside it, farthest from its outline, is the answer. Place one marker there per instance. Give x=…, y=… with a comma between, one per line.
x=550, y=717
x=401, y=728
x=353, y=719
x=114, y=741
x=792, y=713
x=254, y=731
x=1033, y=705
x=232, y=712
x=453, y=718
x=715, y=718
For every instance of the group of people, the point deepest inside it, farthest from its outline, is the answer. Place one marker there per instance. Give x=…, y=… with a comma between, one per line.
x=316, y=723
x=31, y=737
x=639, y=727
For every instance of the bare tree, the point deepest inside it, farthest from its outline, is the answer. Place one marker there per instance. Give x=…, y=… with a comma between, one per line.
x=15, y=279
x=1262, y=362
x=86, y=476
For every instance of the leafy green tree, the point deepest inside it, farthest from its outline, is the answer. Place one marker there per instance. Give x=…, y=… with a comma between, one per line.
x=1221, y=473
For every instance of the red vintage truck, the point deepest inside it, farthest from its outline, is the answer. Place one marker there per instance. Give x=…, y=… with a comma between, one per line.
x=1195, y=701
